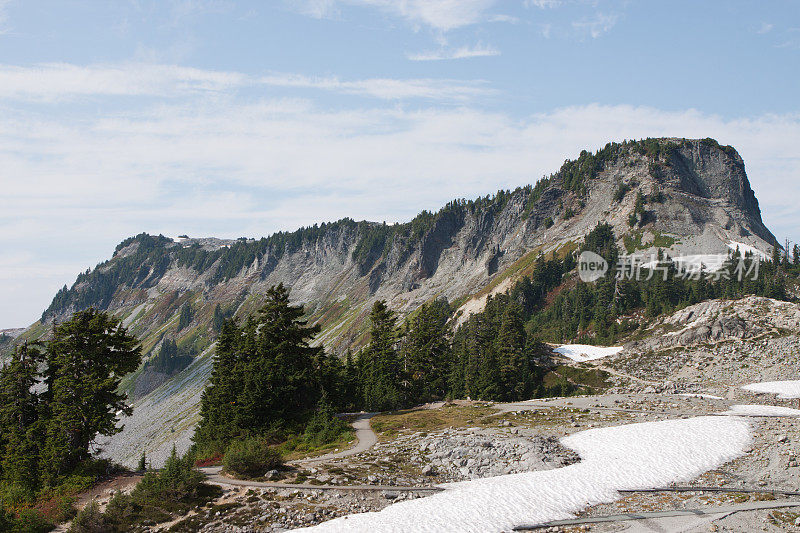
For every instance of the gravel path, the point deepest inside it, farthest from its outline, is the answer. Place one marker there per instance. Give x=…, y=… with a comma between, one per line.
x=722, y=510
x=365, y=439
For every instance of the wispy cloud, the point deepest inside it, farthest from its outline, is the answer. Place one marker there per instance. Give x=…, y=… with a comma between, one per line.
x=464, y=52
x=791, y=39
x=386, y=88
x=542, y=4
x=316, y=8
x=765, y=28
x=55, y=82
x=4, y=15
x=440, y=15
x=595, y=26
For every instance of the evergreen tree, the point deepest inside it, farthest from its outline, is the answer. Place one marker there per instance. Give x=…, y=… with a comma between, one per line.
x=510, y=348
x=265, y=373
x=185, y=317
x=384, y=377
x=85, y=361
x=426, y=352
x=20, y=422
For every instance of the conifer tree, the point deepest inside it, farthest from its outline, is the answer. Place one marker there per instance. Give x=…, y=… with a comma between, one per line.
x=85, y=361
x=20, y=422
x=511, y=354
x=384, y=380
x=426, y=352
x=265, y=373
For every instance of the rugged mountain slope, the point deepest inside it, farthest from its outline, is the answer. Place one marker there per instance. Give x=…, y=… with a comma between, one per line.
x=689, y=196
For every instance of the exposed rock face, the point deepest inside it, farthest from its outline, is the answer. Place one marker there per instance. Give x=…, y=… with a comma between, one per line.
x=721, y=320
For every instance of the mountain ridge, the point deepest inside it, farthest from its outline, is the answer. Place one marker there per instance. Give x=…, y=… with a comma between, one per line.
x=697, y=199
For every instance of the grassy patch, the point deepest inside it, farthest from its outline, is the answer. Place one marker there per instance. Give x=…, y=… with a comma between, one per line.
x=389, y=425
x=586, y=376
x=635, y=241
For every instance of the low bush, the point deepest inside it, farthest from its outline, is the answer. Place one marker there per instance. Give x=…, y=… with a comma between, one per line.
x=177, y=481
x=158, y=497
x=324, y=427
x=31, y=521
x=251, y=457
x=89, y=520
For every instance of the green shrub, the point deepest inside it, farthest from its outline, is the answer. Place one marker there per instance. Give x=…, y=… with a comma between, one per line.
x=178, y=480
x=622, y=190
x=324, y=428
x=6, y=519
x=89, y=520
x=121, y=510
x=251, y=457
x=32, y=521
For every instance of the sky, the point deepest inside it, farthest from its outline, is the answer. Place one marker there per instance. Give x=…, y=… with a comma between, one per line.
x=242, y=118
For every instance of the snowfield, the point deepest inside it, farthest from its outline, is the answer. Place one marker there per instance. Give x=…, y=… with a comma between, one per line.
x=584, y=352
x=761, y=410
x=633, y=456
x=784, y=389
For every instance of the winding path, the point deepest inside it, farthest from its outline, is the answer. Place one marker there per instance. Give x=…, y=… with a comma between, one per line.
x=214, y=476
x=365, y=439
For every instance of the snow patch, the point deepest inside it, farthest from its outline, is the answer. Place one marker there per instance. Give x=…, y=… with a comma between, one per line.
x=784, y=389
x=761, y=410
x=634, y=456
x=747, y=249
x=585, y=352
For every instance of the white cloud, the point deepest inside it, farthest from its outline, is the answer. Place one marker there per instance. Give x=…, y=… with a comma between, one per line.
x=316, y=8
x=504, y=18
x=385, y=88
x=4, y=15
x=54, y=82
x=596, y=26
x=765, y=28
x=542, y=4
x=441, y=15
x=464, y=52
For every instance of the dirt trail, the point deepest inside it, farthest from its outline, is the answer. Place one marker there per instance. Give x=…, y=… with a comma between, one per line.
x=365, y=439
x=687, y=515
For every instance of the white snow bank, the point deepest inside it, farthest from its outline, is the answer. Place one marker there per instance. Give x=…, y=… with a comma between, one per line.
x=633, y=456
x=704, y=396
x=584, y=352
x=761, y=410
x=784, y=389
x=693, y=263
x=747, y=249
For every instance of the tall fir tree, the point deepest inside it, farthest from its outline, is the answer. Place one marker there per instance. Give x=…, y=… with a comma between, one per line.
x=85, y=361
x=385, y=383
x=265, y=376
x=20, y=420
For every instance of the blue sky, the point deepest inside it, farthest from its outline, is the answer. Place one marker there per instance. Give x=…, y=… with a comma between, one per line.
x=226, y=118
